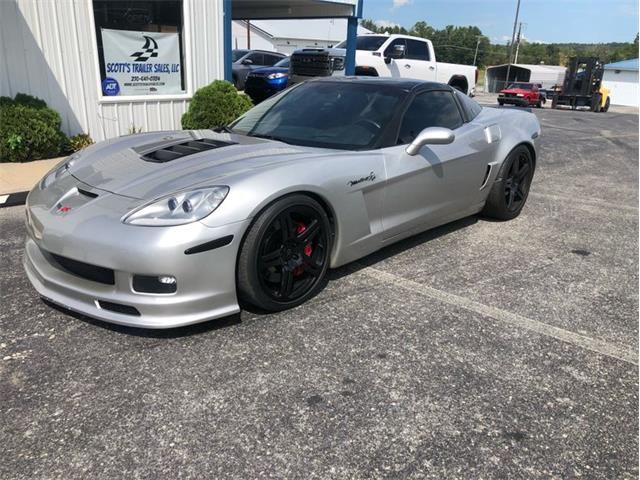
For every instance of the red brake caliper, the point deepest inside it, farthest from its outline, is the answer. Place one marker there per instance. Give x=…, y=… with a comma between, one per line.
x=308, y=249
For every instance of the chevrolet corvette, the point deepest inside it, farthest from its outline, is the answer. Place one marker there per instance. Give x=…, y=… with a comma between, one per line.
x=164, y=229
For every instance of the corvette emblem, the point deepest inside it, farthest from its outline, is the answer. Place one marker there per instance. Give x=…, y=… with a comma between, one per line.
x=62, y=209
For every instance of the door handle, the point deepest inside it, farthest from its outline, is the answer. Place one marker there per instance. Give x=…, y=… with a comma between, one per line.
x=432, y=67
x=407, y=66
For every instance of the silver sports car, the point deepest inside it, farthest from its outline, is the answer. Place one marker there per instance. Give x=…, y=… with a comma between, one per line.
x=165, y=229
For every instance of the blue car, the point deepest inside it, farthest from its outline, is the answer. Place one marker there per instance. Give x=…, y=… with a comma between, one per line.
x=263, y=82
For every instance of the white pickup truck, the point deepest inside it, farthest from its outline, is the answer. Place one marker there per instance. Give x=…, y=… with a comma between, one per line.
x=384, y=56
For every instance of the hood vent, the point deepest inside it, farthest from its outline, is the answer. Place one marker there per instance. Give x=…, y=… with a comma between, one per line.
x=190, y=147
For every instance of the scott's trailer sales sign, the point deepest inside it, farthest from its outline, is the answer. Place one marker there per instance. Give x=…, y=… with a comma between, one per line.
x=141, y=63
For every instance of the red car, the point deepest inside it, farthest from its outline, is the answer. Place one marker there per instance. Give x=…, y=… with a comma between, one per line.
x=521, y=94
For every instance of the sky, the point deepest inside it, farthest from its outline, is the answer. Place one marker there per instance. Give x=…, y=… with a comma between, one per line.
x=582, y=21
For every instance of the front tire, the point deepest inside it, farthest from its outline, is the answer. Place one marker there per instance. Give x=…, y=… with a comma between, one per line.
x=285, y=255
x=510, y=190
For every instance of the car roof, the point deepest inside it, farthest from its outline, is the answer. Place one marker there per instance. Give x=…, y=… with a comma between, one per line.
x=400, y=83
x=278, y=54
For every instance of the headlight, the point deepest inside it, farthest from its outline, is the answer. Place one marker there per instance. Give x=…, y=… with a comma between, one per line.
x=51, y=177
x=519, y=94
x=273, y=76
x=180, y=208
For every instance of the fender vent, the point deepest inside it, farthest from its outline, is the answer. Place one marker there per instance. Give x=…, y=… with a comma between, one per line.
x=180, y=150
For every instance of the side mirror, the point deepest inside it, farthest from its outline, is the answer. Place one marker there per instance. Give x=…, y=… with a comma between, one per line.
x=431, y=136
x=246, y=61
x=397, y=52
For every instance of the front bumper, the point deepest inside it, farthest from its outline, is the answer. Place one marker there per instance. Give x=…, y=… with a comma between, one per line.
x=205, y=280
x=517, y=101
x=260, y=88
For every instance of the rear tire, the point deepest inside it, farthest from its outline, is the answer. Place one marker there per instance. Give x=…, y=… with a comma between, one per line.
x=510, y=190
x=285, y=254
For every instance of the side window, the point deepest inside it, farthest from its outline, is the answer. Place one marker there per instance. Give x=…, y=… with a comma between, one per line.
x=256, y=58
x=397, y=41
x=472, y=107
x=269, y=60
x=417, y=50
x=429, y=109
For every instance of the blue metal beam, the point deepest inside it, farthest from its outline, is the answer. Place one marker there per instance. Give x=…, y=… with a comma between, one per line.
x=352, y=36
x=227, y=43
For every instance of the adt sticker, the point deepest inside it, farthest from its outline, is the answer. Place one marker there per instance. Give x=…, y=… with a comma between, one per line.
x=110, y=86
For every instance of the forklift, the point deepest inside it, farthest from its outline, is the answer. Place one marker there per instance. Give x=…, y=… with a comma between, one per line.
x=583, y=86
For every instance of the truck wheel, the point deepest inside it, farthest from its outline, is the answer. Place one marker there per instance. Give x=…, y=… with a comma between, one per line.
x=539, y=104
x=501, y=103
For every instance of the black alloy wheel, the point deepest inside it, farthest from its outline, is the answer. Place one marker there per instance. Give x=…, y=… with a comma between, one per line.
x=285, y=254
x=510, y=190
x=516, y=184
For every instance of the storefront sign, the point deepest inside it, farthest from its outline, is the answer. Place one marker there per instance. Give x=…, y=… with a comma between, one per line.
x=141, y=63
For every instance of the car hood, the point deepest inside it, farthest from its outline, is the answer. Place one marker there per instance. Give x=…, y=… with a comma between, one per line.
x=516, y=90
x=264, y=71
x=122, y=166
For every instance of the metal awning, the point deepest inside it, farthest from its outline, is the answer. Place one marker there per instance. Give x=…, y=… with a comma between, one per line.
x=292, y=9
x=282, y=9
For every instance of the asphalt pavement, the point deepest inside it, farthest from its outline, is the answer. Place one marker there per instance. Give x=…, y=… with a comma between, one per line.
x=477, y=350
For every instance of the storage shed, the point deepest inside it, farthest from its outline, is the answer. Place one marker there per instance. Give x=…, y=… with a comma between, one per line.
x=621, y=78
x=547, y=75
x=285, y=36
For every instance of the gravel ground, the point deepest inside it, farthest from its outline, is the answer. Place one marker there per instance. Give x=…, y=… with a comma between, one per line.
x=477, y=350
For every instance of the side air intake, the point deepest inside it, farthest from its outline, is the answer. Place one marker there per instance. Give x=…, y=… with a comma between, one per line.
x=190, y=147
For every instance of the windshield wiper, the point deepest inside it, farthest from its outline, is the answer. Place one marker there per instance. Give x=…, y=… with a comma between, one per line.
x=223, y=128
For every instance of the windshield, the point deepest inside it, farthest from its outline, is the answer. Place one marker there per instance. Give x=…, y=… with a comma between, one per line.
x=366, y=42
x=283, y=63
x=521, y=86
x=238, y=54
x=348, y=116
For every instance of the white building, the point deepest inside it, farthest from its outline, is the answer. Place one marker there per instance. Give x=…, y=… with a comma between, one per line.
x=110, y=66
x=285, y=36
x=621, y=78
x=546, y=75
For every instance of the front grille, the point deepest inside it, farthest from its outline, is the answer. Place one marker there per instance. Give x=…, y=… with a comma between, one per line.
x=255, y=83
x=312, y=64
x=82, y=270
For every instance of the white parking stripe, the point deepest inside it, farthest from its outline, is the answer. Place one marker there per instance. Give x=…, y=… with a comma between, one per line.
x=588, y=343
x=590, y=202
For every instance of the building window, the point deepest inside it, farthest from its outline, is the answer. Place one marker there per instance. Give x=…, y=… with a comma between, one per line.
x=140, y=47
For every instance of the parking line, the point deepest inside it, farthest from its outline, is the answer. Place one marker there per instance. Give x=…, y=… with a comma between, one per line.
x=588, y=202
x=582, y=341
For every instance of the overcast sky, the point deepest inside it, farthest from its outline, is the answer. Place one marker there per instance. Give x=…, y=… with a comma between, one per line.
x=585, y=21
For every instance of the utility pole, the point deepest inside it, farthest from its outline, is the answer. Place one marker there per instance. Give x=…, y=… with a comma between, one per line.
x=475, y=55
x=518, y=38
x=513, y=39
x=248, y=35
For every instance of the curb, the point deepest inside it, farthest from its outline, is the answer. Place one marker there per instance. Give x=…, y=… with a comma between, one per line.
x=13, y=199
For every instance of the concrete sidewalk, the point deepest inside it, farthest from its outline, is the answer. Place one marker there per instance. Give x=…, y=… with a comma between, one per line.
x=20, y=177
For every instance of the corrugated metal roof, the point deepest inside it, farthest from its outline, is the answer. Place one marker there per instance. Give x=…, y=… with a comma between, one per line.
x=534, y=67
x=334, y=30
x=631, y=64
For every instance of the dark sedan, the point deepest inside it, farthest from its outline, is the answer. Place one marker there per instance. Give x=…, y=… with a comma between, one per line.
x=244, y=61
